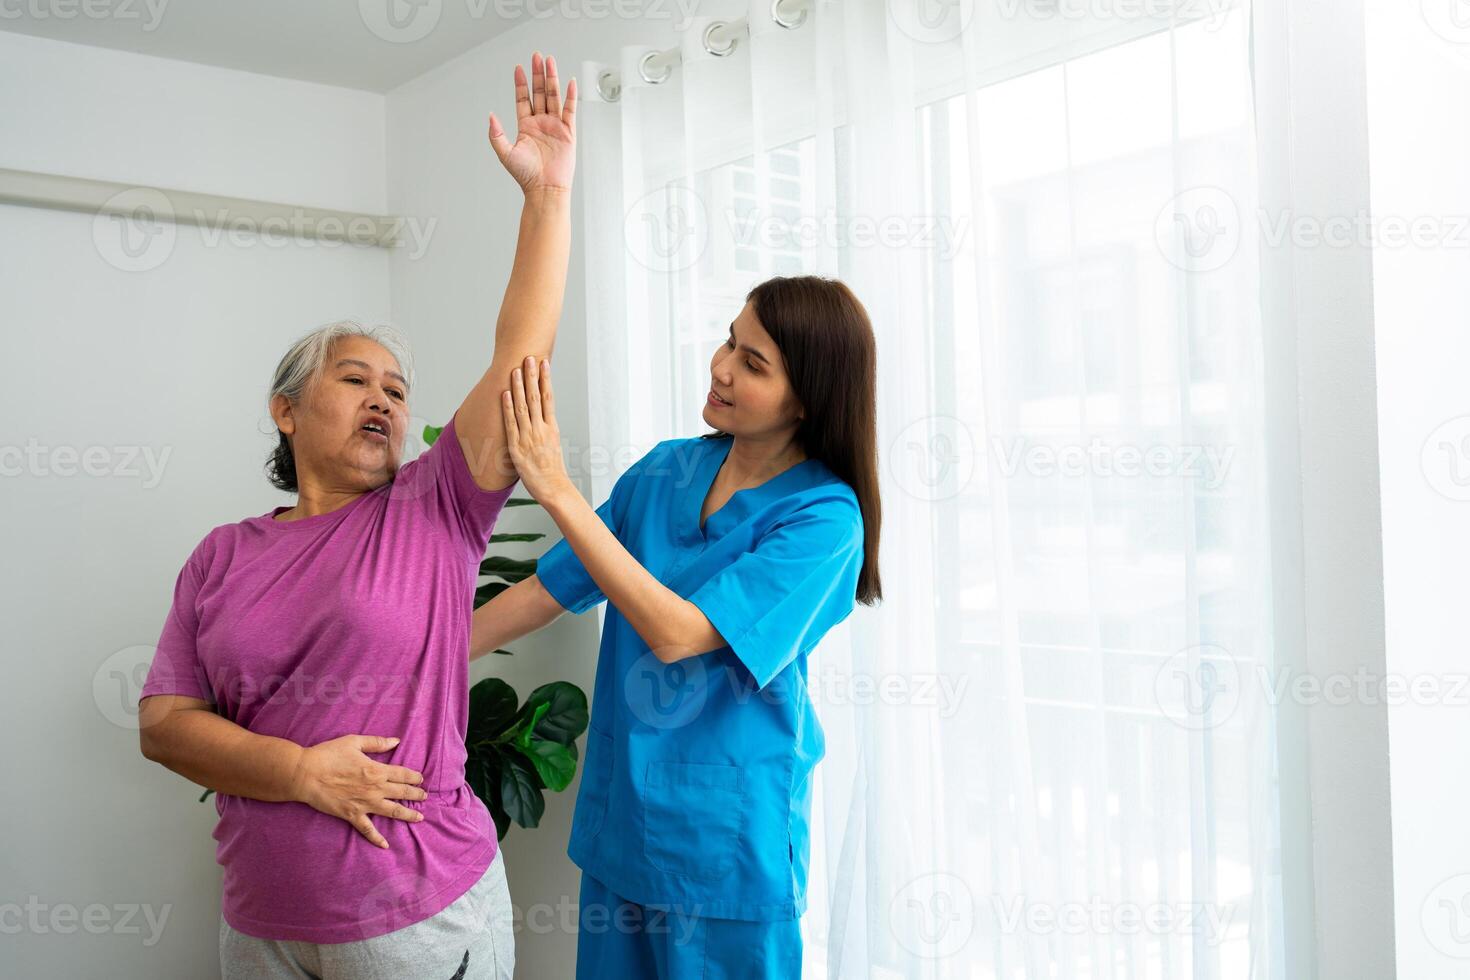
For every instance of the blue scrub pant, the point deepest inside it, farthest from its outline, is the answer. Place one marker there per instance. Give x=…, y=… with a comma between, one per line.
x=622, y=940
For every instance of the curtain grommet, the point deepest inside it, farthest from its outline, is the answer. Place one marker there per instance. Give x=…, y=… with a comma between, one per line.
x=609, y=86
x=790, y=22
x=709, y=40
x=643, y=69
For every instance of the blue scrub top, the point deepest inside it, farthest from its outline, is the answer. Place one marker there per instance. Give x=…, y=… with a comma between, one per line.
x=696, y=790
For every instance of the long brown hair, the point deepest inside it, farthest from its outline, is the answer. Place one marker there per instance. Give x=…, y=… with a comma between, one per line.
x=826, y=340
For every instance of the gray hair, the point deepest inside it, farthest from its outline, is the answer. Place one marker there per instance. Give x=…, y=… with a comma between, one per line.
x=302, y=364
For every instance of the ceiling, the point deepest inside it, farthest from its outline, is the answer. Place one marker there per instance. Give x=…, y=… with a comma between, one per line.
x=374, y=45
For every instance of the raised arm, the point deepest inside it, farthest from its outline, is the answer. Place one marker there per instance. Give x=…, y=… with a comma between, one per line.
x=541, y=160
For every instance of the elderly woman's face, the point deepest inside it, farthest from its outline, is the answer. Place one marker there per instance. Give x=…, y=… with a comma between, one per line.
x=332, y=428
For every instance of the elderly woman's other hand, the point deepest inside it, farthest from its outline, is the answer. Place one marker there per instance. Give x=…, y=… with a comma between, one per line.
x=337, y=778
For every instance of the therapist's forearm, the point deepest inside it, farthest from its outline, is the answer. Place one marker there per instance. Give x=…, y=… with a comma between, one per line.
x=216, y=753
x=521, y=609
x=672, y=626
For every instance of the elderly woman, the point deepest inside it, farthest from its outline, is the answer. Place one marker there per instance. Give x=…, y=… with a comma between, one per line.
x=313, y=668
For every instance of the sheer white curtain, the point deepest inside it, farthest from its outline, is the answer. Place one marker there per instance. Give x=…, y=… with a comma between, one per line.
x=1050, y=751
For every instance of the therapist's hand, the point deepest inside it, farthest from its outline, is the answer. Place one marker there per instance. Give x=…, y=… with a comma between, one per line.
x=531, y=434
x=337, y=778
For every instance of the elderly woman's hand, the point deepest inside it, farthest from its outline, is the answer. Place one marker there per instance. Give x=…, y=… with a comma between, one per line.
x=545, y=151
x=337, y=778
x=531, y=435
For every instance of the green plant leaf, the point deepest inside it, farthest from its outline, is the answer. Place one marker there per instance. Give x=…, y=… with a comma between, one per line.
x=492, y=710
x=516, y=536
x=506, y=652
x=431, y=434
x=492, y=765
x=521, y=502
x=510, y=569
x=482, y=772
x=477, y=774
x=501, y=818
x=519, y=792
x=555, y=763
x=566, y=715
x=527, y=725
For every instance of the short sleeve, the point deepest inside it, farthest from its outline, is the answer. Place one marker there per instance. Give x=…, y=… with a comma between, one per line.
x=441, y=478
x=778, y=601
x=176, y=668
x=562, y=573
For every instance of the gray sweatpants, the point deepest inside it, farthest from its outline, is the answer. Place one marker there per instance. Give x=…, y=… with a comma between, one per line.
x=472, y=938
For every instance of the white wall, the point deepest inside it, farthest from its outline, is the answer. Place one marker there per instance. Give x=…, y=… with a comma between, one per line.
x=1419, y=109
x=171, y=361
x=95, y=112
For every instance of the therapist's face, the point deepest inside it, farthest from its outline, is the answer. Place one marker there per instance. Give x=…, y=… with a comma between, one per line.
x=360, y=383
x=749, y=374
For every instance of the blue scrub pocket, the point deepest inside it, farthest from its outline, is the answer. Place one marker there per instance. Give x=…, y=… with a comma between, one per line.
x=596, y=781
x=692, y=818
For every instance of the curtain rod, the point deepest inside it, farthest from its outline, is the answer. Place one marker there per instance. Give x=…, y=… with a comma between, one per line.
x=720, y=39
x=62, y=193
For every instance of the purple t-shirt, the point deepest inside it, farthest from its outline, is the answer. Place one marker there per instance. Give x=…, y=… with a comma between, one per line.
x=351, y=622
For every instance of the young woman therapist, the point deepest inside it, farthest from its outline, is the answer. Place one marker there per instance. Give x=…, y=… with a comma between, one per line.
x=725, y=558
